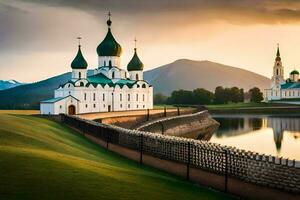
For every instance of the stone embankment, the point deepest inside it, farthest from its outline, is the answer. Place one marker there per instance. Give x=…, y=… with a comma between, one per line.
x=197, y=125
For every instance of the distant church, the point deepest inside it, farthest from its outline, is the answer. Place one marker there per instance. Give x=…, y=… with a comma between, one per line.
x=282, y=89
x=110, y=88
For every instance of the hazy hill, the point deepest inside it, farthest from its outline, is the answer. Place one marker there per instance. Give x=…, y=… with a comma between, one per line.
x=9, y=84
x=181, y=74
x=189, y=74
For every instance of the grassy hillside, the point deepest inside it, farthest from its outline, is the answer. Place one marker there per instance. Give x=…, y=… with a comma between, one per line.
x=41, y=159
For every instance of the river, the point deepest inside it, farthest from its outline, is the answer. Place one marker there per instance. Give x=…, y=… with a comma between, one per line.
x=277, y=135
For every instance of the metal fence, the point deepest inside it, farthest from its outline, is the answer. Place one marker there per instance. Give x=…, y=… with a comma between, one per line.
x=248, y=166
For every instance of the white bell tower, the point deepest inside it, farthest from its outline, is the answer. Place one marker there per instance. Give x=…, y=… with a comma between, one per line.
x=278, y=72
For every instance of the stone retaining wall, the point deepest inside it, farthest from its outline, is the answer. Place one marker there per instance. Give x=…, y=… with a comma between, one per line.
x=192, y=124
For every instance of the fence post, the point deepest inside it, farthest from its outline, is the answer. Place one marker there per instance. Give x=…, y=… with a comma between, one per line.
x=148, y=114
x=178, y=111
x=162, y=128
x=226, y=171
x=141, y=148
x=188, y=163
x=165, y=111
x=106, y=136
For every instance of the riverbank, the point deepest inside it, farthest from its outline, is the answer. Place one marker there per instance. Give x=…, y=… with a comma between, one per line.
x=254, y=108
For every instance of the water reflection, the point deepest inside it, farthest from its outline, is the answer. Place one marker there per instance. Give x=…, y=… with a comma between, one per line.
x=248, y=127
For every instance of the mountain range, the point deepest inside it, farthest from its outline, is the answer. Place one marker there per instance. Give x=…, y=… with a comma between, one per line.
x=181, y=74
x=9, y=84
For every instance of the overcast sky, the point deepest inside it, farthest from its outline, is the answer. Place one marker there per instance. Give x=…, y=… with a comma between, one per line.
x=38, y=37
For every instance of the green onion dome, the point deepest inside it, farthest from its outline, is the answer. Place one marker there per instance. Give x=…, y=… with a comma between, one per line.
x=135, y=63
x=294, y=72
x=79, y=62
x=109, y=46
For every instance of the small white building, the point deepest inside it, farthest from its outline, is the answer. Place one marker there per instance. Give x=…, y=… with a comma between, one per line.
x=283, y=90
x=110, y=88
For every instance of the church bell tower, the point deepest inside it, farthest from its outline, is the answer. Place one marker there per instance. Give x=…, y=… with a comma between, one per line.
x=278, y=72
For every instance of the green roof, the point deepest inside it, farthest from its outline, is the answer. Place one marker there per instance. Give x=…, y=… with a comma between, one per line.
x=79, y=62
x=53, y=100
x=109, y=46
x=291, y=85
x=135, y=63
x=294, y=72
x=103, y=80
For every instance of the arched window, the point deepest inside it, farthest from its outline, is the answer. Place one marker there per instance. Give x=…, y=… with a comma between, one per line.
x=81, y=84
x=113, y=75
x=128, y=97
x=84, y=96
x=143, y=97
x=144, y=85
x=94, y=96
x=104, y=64
x=277, y=72
x=120, y=97
x=103, y=97
x=109, y=63
x=137, y=97
x=137, y=77
x=79, y=74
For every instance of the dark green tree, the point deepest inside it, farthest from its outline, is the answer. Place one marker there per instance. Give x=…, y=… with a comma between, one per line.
x=202, y=96
x=256, y=95
x=159, y=98
x=220, y=96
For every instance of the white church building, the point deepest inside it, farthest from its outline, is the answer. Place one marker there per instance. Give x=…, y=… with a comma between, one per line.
x=110, y=88
x=283, y=90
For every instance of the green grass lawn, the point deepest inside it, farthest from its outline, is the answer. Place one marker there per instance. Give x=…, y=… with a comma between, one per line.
x=41, y=159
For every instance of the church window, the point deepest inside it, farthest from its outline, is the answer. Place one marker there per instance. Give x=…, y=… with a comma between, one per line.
x=289, y=93
x=109, y=63
x=143, y=97
x=277, y=64
x=79, y=75
x=128, y=97
x=144, y=85
x=94, y=96
x=104, y=63
x=86, y=105
x=138, y=86
x=120, y=105
x=60, y=106
x=84, y=96
x=94, y=105
x=81, y=84
x=137, y=97
x=143, y=106
x=69, y=92
x=113, y=75
x=277, y=72
x=120, y=97
x=128, y=105
x=69, y=85
x=137, y=106
x=137, y=77
x=103, y=105
x=103, y=97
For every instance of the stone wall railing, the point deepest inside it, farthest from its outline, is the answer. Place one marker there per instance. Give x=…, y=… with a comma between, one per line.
x=258, y=169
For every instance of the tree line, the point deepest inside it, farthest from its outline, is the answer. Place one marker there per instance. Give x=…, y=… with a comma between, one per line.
x=202, y=96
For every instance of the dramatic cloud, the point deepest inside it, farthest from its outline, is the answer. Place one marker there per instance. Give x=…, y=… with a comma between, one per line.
x=41, y=33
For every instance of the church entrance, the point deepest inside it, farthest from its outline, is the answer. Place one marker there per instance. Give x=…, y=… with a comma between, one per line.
x=71, y=110
x=109, y=108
